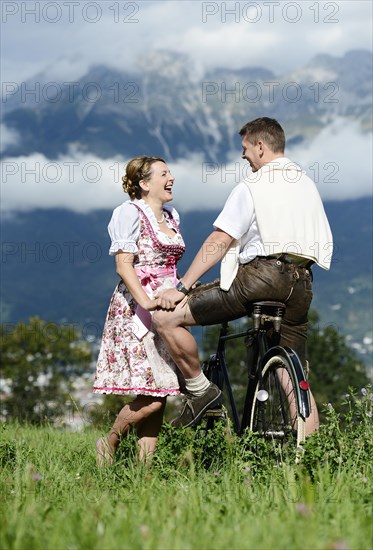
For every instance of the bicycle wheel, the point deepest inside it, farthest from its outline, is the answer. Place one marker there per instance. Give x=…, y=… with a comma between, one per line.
x=280, y=402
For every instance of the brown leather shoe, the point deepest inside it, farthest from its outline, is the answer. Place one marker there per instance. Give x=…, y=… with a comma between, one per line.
x=194, y=407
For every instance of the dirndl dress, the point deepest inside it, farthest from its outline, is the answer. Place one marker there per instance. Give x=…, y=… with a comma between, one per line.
x=133, y=359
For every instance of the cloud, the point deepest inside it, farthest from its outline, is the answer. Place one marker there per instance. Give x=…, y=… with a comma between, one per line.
x=338, y=160
x=64, y=39
x=75, y=181
x=69, y=38
x=8, y=136
x=82, y=183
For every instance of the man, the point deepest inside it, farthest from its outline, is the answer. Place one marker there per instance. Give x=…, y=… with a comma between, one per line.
x=272, y=228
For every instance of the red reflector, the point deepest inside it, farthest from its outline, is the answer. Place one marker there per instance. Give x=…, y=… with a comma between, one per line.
x=304, y=385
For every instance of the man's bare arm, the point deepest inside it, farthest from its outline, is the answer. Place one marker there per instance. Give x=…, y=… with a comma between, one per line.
x=210, y=253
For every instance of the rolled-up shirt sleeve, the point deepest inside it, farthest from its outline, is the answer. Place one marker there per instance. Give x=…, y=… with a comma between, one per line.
x=124, y=228
x=237, y=213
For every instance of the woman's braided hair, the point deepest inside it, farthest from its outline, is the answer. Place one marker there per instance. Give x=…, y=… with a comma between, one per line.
x=137, y=169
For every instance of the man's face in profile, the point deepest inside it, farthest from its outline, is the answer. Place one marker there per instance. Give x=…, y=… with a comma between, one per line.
x=252, y=153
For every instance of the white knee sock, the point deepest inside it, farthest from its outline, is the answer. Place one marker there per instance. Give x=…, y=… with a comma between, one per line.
x=198, y=385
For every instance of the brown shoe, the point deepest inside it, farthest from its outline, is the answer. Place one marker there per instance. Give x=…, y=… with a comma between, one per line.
x=194, y=407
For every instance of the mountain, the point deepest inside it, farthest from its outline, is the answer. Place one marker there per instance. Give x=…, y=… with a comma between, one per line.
x=55, y=262
x=169, y=107
x=56, y=265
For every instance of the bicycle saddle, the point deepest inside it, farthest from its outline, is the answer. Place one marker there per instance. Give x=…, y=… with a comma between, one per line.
x=268, y=311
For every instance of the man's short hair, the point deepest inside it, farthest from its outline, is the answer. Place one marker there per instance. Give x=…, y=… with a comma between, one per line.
x=267, y=130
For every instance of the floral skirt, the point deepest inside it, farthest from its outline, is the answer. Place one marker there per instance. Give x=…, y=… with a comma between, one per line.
x=127, y=365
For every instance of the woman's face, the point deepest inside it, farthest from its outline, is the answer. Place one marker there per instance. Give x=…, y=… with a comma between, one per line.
x=160, y=184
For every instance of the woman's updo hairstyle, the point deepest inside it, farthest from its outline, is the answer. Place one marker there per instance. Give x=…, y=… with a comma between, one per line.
x=137, y=169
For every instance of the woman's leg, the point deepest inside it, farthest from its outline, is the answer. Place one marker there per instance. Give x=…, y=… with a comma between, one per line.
x=133, y=413
x=148, y=431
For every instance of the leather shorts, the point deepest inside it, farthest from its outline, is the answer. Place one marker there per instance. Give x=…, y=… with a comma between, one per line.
x=261, y=279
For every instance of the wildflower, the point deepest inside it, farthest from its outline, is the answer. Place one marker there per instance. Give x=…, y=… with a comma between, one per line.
x=303, y=509
x=364, y=391
x=338, y=545
x=144, y=530
x=37, y=477
x=330, y=406
x=247, y=469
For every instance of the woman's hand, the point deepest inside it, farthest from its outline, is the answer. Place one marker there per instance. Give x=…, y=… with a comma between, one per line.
x=149, y=305
x=168, y=298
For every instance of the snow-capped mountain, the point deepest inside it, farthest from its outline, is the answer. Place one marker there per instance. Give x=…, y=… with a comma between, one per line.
x=168, y=106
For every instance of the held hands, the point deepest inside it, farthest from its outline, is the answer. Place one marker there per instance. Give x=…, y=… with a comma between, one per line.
x=168, y=298
x=150, y=305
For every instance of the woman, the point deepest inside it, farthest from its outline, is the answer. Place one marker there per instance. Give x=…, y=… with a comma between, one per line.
x=133, y=360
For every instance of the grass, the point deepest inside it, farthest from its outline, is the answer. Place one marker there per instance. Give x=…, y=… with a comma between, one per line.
x=200, y=491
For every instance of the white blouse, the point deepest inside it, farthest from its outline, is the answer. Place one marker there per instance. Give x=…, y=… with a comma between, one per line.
x=124, y=226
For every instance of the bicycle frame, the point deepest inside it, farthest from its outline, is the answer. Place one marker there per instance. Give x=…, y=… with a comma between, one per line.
x=259, y=352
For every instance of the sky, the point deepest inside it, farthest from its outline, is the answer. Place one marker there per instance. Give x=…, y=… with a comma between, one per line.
x=63, y=39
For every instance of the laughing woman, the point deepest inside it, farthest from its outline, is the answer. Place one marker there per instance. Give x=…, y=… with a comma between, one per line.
x=146, y=243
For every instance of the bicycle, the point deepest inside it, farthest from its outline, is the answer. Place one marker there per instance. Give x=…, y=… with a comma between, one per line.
x=277, y=400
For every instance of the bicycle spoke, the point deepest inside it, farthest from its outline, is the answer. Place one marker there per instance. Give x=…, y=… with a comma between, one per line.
x=276, y=417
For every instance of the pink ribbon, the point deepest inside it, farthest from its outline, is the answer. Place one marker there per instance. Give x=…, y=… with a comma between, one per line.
x=148, y=277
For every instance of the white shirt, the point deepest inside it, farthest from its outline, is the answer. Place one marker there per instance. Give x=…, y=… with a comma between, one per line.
x=288, y=217
x=238, y=220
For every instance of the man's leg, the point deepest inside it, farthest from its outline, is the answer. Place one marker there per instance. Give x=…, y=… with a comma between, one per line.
x=312, y=422
x=294, y=330
x=171, y=326
x=209, y=305
x=180, y=342
x=214, y=306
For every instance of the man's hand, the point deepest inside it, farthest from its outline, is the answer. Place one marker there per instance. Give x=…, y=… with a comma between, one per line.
x=168, y=298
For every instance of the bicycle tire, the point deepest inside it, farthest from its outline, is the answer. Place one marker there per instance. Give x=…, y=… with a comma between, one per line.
x=280, y=406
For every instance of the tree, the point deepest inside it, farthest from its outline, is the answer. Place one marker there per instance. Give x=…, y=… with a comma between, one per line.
x=37, y=362
x=334, y=366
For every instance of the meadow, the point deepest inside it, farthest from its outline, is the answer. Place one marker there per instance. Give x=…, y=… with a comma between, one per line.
x=200, y=491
